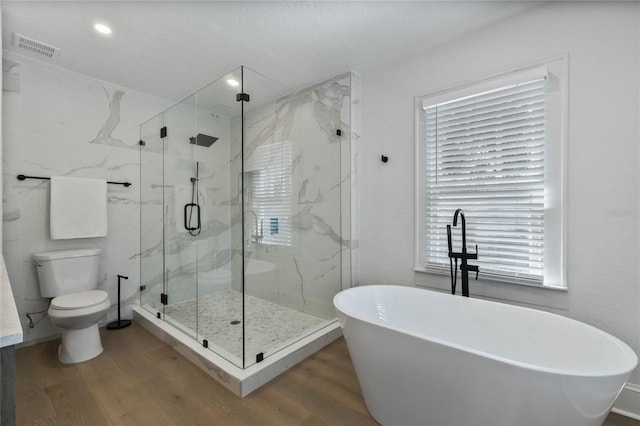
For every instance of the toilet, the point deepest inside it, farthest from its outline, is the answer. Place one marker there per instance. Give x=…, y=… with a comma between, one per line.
x=70, y=277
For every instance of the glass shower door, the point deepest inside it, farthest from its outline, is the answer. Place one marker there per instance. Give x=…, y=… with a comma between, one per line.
x=180, y=202
x=151, y=215
x=220, y=309
x=292, y=265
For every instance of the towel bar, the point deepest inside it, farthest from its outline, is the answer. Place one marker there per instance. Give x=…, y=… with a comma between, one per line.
x=23, y=177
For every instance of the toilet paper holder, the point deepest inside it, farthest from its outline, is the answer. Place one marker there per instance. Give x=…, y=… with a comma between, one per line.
x=120, y=323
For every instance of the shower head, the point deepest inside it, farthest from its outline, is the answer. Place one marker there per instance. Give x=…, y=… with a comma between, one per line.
x=203, y=140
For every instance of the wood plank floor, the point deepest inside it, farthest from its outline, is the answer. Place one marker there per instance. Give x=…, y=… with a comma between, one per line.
x=139, y=380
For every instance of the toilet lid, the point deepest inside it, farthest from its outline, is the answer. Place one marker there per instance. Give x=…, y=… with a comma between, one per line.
x=82, y=299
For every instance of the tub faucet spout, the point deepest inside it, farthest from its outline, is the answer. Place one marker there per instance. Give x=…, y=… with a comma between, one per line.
x=462, y=255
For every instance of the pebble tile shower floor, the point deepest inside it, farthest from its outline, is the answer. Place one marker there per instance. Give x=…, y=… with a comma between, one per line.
x=217, y=317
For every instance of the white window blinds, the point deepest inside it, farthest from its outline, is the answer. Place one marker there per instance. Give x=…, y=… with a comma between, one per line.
x=485, y=153
x=270, y=196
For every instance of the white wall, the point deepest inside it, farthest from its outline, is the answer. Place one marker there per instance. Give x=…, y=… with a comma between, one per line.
x=58, y=122
x=602, y=42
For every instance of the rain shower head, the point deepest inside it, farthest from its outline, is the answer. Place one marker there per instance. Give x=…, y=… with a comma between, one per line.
x=203, y=140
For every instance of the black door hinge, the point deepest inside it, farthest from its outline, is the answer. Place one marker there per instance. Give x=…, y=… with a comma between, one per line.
x=339, y=132
x=260, y=357
x=163, y=132
x=164, y=298
x=242, y=97
x=158, y=315
x=142, y=143
x=205, y=343
x=143, y=287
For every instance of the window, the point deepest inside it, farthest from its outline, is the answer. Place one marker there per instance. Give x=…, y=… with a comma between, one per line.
x=494, y=149
x=269, y=184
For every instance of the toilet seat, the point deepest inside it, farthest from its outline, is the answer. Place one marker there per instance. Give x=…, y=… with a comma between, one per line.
x=75, y=314
x=79, y=300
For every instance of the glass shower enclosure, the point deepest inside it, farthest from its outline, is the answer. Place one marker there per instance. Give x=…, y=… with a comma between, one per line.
x=240, y=219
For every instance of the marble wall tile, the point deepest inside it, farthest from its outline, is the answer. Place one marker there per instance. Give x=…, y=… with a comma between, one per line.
x=311, y=271
x=58, y=122
x=168, y=168
x=61, y=123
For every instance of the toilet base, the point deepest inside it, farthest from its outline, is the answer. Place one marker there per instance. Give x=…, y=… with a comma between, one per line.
x=80, y=345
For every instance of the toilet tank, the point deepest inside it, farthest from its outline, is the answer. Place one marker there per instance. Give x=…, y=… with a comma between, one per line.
x=67, y=271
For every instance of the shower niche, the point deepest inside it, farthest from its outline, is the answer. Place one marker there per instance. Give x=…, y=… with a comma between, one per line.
x=245, y=214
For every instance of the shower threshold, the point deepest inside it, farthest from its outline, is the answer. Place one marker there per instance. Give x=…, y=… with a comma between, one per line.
x=239, y=381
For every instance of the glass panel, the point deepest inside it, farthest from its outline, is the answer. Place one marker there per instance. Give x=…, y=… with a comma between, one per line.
x=292, y=214
x=181, y=202
x=151, y=235
x=240, y=214
x=220, y=254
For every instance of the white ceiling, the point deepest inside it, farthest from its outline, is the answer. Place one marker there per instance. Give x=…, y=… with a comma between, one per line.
x=172, y=48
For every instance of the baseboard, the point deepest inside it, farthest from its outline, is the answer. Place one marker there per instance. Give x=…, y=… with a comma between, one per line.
x=628, y=403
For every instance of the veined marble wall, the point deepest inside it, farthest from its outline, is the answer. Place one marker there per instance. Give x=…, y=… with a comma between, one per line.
x=58, y=122
x=319, y=260
x=318, y=263
x=167, y=167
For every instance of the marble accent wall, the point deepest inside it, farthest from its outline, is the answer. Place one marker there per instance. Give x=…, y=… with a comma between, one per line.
x=318, y=263
x=167, y=167
x=58, y=122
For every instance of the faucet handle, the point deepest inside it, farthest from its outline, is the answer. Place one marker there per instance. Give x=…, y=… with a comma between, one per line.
x=473, y=268
x=477, y=269
x=473, y=255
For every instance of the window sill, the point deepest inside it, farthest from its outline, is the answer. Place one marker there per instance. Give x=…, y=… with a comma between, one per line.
x=509, y=292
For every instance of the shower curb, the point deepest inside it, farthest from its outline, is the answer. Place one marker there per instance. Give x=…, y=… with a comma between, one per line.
x=239, y=381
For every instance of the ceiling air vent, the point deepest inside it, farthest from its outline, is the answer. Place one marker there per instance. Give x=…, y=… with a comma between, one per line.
x=35, y=46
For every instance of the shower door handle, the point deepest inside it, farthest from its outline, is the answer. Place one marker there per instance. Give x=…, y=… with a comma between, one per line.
x=187, y=216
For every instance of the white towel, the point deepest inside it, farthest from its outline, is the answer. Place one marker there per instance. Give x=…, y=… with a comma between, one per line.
x=78, y=208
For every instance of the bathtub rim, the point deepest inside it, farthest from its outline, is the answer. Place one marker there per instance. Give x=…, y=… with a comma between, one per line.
x=628, y=352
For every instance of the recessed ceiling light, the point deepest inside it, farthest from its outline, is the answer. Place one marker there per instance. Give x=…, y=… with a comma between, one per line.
x=101, y=28
x=233, y=83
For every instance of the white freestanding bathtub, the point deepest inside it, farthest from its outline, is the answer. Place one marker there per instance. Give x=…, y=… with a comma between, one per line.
x=429, y=358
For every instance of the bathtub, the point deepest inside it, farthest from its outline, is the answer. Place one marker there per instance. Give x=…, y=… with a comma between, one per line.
x=429, y=358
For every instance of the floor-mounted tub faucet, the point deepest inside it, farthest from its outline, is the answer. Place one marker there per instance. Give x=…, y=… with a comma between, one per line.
x=463, y=256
